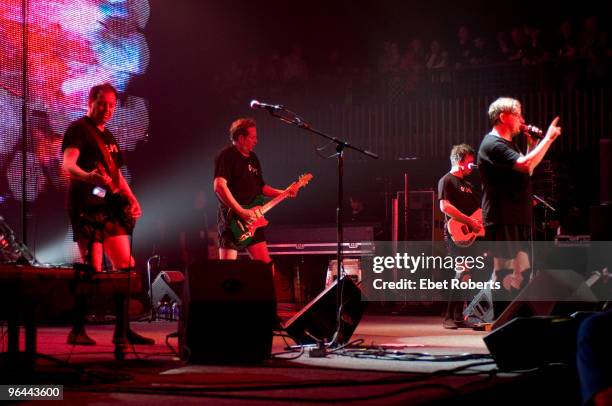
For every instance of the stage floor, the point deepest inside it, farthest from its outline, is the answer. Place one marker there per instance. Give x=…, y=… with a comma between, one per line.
x=154, y=375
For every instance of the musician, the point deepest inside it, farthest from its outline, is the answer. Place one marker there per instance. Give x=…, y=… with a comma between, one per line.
x=459, y=199
x=91, y=158
x=238, y=181
x=506, y=201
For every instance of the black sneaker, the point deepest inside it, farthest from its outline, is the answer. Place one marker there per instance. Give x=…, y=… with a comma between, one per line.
x=135, y=338
x=80, y=337
x=455, y=324
x=450, y=324
x=463, y=324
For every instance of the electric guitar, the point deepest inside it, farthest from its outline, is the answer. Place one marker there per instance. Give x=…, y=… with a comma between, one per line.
x=461, y=234
x=118, y=203
x=243, y=231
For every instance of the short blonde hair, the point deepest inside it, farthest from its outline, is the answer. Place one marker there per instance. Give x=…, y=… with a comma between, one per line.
x=502, y=105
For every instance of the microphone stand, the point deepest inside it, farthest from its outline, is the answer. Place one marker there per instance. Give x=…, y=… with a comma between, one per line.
x=544, y=203
x=296, y=120
x=547, y=207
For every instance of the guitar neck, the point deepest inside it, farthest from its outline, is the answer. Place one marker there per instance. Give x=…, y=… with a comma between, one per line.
x=269, y=205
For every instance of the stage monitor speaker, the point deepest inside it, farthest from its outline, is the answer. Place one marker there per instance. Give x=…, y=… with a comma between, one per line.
x=532, y=342
x=551, y=291
x=229, y=312
x=168, y=284
x=317, y=320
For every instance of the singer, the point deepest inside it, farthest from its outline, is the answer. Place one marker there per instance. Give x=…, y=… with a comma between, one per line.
x=506, y=201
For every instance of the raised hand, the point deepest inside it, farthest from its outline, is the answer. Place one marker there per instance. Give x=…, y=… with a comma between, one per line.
x=553, y=130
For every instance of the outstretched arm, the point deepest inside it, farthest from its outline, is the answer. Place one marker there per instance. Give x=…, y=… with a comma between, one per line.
x=273, y=192
x=528, y=163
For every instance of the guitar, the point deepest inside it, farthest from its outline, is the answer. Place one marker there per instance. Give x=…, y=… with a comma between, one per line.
x=243, y=231
x=118, y=203
x=461, y=234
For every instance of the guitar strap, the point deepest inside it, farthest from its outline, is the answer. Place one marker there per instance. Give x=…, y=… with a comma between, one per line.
x=108, y=161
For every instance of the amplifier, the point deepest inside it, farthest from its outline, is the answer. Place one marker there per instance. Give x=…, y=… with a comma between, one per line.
x=317, y=234
x=348, y=248
x=319, y=240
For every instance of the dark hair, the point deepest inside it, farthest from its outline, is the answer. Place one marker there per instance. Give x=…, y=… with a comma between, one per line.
x=459, y=152
x=239, y=127
x=104, y=87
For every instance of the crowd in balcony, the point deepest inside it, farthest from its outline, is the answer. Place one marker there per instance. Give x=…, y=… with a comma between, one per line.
x=579, y=52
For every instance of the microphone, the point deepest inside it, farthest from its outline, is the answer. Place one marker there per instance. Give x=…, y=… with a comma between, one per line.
x=532, y=130
x=472, y=165
x=257, y=105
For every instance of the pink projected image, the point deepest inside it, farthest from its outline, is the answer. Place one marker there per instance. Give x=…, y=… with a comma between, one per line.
x=71, y=46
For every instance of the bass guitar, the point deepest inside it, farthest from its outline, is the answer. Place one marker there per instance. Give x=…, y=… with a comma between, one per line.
x=243, y=231
x=117, y=203
x=461, y=234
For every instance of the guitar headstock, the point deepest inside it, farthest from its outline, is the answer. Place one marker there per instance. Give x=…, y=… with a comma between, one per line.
x=304, y=179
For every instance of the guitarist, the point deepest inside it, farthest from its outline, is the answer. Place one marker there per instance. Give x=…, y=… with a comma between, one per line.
x=91, y=158
x=238, y=181
x=458, y=200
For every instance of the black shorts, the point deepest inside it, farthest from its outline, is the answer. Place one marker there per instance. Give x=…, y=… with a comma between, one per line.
x=478, y=249
x=508, y=240
x=95, y=224
x=225, y=236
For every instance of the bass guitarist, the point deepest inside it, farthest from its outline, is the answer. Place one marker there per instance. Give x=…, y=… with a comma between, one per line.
x=238, y=182
x=459, y=199
x=101, y=205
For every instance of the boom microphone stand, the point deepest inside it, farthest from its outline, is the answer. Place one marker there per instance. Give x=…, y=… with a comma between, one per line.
x=547, y=207
x=289, y=117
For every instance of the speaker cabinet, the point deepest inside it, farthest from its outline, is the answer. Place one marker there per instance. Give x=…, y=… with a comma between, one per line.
x=559, y=291
x=317, y=320
x=229, y=312
x=531, y=342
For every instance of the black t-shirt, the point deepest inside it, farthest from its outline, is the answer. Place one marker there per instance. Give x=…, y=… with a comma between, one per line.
x=506, y=197
x=243, y=174
x=460, y=193
x=81, y=134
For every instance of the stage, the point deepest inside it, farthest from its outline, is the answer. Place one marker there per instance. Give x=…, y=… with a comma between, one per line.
x=143, y=138
x=155, y=375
